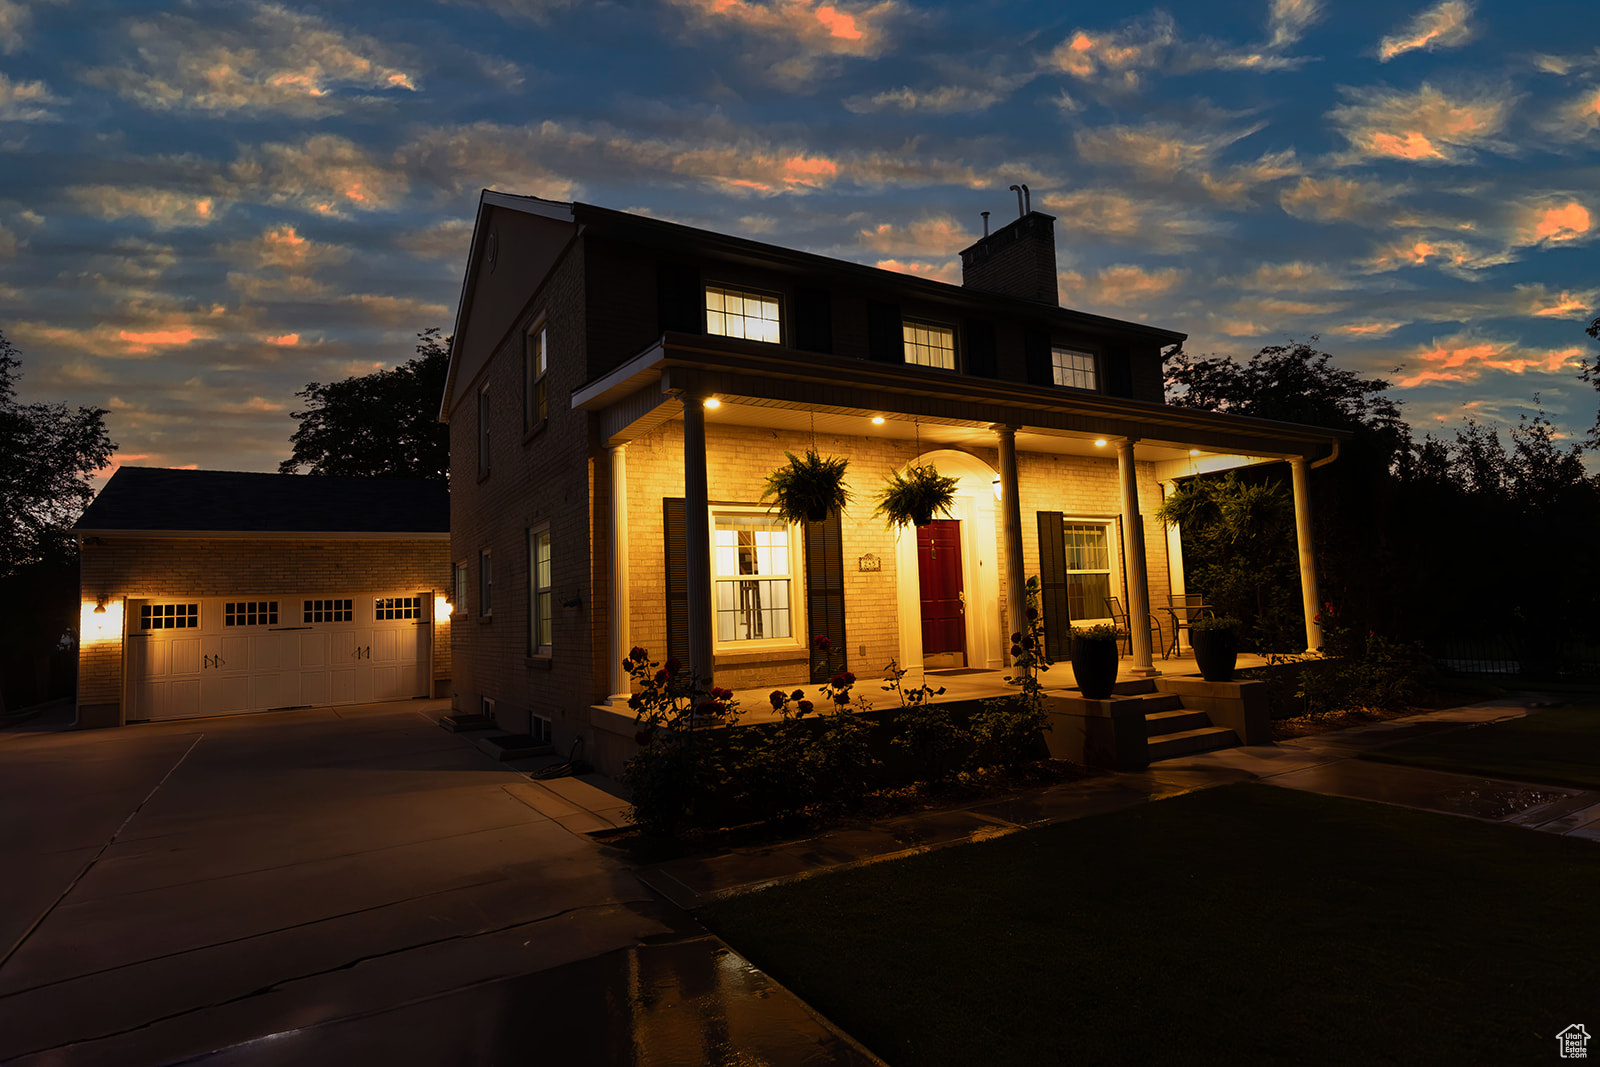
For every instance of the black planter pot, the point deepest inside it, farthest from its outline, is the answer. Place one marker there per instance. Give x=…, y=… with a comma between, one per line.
x=922, y=518
x=816, y=514
x=1094, y=665
x=1215, y=653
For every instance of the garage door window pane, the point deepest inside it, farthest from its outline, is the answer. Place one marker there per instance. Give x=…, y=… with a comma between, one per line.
x=397, y=607
x=329, y=610
x=250, y=613
x=169, y=616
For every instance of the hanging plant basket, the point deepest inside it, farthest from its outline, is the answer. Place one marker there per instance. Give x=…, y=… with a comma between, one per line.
x=916, y=497
x=807, y=489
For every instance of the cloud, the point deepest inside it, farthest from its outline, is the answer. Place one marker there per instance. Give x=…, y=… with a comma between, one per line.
x=1337, y=199
x=948, y=271
x=1120, y=285
x=1454, y=257
x=24, y=101
x=381, y=309
x=1288, y=20
x=1120, y=216
x=282, y=248
x=1538, y=301
x=1442, y=26
x=939, y=236
x=944, y=100
x=1553, y=221
x=8, y=243
x=1427, y=126
x=279, y=61
x=791, y=38
x=1465, y=357
x=164, y=209
x=114, y=341
x=1366, y=330
x=324, y=174
x=1295, y=276
x=14, y=20
x=1563, y=65
x=1157, y=149
x=447, y=240
x=1119, y=59
x=1576, y=119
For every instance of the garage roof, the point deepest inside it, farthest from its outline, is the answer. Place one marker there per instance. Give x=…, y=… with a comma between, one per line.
x=158, y=499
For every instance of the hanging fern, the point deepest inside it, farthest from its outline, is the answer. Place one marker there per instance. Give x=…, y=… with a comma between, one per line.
x=913, y=498
x=806, y=490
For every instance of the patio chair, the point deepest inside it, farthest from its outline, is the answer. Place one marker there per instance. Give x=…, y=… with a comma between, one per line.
x=1184, y=608
x=1119, y=619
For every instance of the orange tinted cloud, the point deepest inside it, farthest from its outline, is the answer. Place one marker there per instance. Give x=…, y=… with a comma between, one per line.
x=949, y=271
x=1428, y=125
x=939, y=236
x=164, y=209
x=1559, y=222
x=284, y=340
x=1442, y=26
x=794, y=34
x=1120, y=285
x=1464, y=358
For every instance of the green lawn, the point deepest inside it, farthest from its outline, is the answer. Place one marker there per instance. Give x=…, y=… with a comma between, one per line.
x=1559, y=746
x=1239, y=925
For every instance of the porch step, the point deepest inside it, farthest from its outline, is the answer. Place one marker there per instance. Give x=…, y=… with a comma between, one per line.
x=460, y=722
x=1161, y=723
x=1134, y=687
x=1188, y=742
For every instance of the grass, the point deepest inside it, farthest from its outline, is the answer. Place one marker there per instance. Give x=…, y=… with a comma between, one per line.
x=1559, y=746
x=1242, y=924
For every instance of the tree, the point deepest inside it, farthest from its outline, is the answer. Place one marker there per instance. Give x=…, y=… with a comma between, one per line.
x=1591, y=374
x=381, y=425
x=48, y=455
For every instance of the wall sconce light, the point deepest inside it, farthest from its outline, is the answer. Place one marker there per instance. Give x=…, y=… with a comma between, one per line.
x=997, y=488
x=713, y=403
x=100, y=606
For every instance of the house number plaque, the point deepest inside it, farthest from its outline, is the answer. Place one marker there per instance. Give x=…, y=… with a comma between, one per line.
x=869, y=562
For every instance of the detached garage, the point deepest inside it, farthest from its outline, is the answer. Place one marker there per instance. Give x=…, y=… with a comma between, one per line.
x=220, y=592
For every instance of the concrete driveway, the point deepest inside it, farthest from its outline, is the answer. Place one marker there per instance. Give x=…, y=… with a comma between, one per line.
x=174, y=889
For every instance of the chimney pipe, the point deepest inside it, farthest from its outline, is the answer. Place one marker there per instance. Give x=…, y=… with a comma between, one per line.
x=985, y=215
x=1018, y=190
x=1027, y=201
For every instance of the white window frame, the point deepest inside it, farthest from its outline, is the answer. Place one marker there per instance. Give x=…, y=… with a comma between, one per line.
x=463, y=579
x=912, y=345
x=483, y=430
x=1113, y=570
x=535, y=375
x=485, y=583
x=1071, y=373
x=541, y=597
x=795, y=578
x=713, y=315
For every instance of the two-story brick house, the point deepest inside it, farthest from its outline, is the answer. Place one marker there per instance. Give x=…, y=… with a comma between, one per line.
x=620, y=387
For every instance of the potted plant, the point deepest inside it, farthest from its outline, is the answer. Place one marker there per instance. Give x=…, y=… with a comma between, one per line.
x=1094, y=660
x=1215, y=640
x=914, y=497
x=806, y=490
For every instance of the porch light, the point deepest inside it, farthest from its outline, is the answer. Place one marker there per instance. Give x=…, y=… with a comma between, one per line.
x=997, y=488
x=100, y=608
x=1100, y=442
x=1194, y=451
x=713, y=402
x=877, y=420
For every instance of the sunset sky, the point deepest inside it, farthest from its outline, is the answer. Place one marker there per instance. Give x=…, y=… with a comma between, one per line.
x=204, y=206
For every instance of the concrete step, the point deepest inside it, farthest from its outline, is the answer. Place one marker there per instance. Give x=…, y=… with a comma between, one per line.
x=1162, y=702
x=1134, y=687
x=1188, y=742
x=1160, y=723
x=460, y=723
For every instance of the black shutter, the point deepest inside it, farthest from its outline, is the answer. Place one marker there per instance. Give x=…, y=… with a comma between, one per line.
x=981, y=359
x=680, y=301
x=675, y=531
x=825, y=596
x=813, y=320
x=1036, y=351
x=886, y=341
x=1119, y=372
x=1053, y=587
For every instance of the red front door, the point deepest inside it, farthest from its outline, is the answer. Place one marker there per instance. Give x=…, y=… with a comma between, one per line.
x=944, y=622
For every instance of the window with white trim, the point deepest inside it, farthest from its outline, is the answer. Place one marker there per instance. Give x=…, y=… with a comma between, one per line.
x=929, y=344
x=541, y=620
x=1088, y=567
x=753, y=570
x=461, y=588
x=535, y=398
x=1075, y=370
x=737, y=313
x=483, y=431
x=250, y=613
x=169, y=617
x=485, y=583
x=387, y=608
x=328, y=611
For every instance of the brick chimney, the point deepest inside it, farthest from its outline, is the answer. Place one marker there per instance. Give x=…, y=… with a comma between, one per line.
x=1016, y=260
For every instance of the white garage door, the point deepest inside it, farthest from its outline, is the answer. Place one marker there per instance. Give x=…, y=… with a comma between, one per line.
x=218, y=656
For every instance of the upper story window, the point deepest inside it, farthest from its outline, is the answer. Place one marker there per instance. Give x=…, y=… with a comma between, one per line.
x=535, y=402
x=483, y=431
x=1074, y=369
x=929, y=345
x=736, y=313
x=753, y=569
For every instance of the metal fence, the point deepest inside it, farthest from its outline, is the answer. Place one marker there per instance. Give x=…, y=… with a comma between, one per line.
x=1511, y=656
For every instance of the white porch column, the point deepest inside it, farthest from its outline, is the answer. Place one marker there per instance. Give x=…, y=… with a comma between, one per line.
x=1174, y=553
x=1138, y=579
x=1011, y=530
x=697, y=540
x=621, y=612
x=1310, y=600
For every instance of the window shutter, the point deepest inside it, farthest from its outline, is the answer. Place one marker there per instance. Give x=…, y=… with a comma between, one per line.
x=1119, y=372
x=886, y=341
x=674, y=528
x=981, y=360
x=680, y=300
x=1053, y=587
x=1036, y=351
x=813, y=320
x=825, y=595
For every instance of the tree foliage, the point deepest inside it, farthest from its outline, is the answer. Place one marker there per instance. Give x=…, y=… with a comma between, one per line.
x=381, y=425
x=48, y=454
